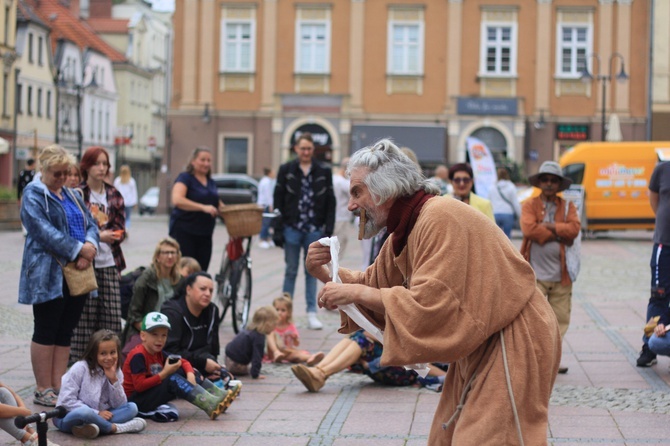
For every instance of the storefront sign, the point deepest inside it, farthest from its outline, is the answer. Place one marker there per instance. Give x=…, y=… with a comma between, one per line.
x=320, y=135
x=486, y=106
x=572, y=132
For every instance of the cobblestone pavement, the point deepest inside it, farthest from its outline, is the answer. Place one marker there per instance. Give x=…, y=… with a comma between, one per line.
x=604, y=399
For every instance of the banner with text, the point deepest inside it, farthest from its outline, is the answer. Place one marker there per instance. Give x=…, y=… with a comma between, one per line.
x=483, y=166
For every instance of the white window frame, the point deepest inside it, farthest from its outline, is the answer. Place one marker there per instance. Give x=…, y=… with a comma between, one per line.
x=405, y=71
x=573, y=74
x=298, y=47
x=498, y=45
x=252, y=43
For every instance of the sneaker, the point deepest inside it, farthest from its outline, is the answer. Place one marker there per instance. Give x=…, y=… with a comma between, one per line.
x=34, y=441
x=647, y=357
x=313, y=323
x=89, y=431
x=264, y=245
x=132, y=426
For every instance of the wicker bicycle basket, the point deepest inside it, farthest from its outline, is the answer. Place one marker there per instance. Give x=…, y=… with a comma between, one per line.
x=242, y=220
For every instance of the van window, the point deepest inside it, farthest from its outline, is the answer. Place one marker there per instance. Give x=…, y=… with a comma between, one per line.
x=575, y=172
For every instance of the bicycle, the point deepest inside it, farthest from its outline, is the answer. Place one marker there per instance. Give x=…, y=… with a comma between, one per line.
x=234, y=281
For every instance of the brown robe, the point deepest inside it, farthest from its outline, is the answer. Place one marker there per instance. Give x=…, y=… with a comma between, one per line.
x=453, y=288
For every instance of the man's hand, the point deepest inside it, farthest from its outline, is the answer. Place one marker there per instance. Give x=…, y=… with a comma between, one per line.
x=317, y=257
x=551, y=227
x=332, y=295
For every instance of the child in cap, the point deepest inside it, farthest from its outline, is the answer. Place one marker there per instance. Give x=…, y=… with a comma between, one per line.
x=153, y=377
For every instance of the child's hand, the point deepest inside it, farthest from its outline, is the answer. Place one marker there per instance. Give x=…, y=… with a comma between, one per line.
x=110, y=373
x=295, y=339
x=170, y=369
x=107, y=415
x=190, y=377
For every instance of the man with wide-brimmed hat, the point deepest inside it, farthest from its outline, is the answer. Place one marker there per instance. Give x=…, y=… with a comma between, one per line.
x=547, y=229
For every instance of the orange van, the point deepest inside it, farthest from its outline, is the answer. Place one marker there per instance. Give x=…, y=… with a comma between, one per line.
x=615, y=179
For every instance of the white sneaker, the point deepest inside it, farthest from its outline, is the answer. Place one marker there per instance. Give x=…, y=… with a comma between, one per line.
x=135, y=425
x=264, y=245
x=313, y=323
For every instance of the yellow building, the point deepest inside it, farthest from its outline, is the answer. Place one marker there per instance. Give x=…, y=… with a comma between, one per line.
x=249, y=76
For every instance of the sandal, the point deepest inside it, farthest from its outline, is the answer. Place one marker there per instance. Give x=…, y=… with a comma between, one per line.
x=45, y=398
x=312, y=382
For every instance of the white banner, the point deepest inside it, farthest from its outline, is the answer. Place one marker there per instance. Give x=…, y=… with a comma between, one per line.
x=483, y=167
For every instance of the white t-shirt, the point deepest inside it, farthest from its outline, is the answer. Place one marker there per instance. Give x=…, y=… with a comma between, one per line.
x=128, y=191
x=341, y=191
x=104, y=257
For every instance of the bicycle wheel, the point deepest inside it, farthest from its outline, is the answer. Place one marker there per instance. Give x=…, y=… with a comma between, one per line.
x=223, y=287
x=241, y=297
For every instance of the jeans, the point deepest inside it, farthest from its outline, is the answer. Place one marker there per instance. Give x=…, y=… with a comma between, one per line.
x=659, y=301
x=265, y=228
x=293, y=241
x=129, y=211
x=505, y=222
x=660, y=345
x=86, y=415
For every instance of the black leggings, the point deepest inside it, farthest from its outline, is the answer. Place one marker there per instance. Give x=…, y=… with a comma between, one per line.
x=56, y=319
x=191, y=245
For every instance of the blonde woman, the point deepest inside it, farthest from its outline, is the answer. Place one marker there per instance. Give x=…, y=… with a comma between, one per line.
x=157, y=284
x=60, y=229
x=125, y=184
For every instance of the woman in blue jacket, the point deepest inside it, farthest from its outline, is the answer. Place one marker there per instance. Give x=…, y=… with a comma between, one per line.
x=60, y=229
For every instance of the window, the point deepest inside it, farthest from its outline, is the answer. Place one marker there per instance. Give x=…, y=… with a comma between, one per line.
x=405, y=52
x=19, y=98
x=574, y=46
x=49, y=104
x=39, y=102
x=30, y=47
x=236, y=155
x=313, y=46
x=575, y=172
x=238, y=46
x=498, y=52
x=7, y=11
x=5, y=81
x=30, y=100
x=40, y=51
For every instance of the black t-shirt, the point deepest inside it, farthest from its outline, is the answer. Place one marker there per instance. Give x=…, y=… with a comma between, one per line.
x=660, y=183
x=25, y=177
x=195, y=222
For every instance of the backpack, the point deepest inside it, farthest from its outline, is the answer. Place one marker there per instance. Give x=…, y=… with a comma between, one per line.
x=126, y=284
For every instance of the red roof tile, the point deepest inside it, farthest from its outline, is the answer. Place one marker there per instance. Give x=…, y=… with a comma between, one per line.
x=65, y=25
x=107, y=25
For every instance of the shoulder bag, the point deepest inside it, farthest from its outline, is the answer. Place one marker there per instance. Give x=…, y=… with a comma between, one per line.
x=516, y=217
x=573, y=255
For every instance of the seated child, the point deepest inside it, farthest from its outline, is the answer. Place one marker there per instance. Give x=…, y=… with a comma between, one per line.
x=188, y=266
x=92, y=392
x=153, y=377
x=282, y=342
x=249, y=344
x=12, y=406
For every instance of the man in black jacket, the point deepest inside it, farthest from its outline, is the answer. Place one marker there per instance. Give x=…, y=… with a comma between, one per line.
x=304, y=196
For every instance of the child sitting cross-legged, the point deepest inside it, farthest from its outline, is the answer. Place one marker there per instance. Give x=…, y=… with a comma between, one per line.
x=283, y=342
x=153, y=377
x=92, y=392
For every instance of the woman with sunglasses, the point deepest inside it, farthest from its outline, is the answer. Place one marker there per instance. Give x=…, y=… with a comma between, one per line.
x=461, y=176
x=157, y=284
x=108, y=209
x=60, y=229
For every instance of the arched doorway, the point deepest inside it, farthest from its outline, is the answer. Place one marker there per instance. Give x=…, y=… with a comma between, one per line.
x=495, y=141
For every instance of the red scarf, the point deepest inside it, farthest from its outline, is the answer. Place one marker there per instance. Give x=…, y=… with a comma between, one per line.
x=402, y=218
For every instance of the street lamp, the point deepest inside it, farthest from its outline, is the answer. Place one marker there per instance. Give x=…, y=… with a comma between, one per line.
x=588, y=77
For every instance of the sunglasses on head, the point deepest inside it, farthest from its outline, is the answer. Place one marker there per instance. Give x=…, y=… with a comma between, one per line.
x=549, y=179
x=462, y=180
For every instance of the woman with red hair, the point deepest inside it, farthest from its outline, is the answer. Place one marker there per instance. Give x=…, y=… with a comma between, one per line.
x=107, y=207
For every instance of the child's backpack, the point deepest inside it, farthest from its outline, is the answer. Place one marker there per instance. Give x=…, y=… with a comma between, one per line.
x=126, y=284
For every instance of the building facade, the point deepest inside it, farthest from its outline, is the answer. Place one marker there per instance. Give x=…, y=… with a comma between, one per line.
x=7, y=92
x=427, y=73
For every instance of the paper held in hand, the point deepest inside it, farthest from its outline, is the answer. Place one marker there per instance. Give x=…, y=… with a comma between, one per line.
x=350, y=309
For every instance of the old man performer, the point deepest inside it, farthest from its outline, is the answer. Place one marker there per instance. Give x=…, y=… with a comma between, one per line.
x=448, y=286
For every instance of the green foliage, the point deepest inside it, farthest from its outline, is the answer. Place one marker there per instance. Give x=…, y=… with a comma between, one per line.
x=516, y=171
x=7, y=193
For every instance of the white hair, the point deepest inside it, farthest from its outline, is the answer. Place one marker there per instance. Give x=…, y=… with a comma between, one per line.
x=391, y=173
